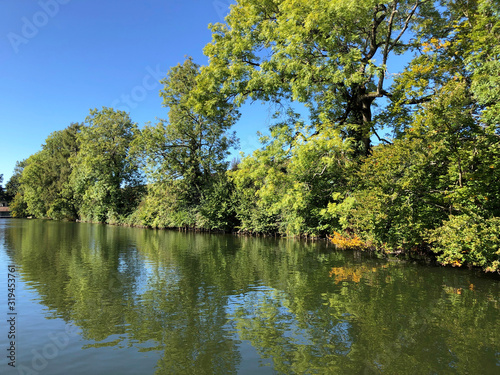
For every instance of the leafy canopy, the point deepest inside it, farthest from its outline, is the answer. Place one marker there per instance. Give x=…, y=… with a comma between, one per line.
x=103, y=177
x=332, y=56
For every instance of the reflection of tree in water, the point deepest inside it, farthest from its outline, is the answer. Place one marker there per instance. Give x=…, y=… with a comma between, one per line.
x=373, y=317
x=195, y=298
x=294, y=343
x=95, y=277
x=183, y=304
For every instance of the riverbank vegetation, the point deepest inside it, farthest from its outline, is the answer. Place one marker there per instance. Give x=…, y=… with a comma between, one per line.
x=428, y=184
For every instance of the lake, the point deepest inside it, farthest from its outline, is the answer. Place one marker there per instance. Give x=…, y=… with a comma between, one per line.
x=97, y=299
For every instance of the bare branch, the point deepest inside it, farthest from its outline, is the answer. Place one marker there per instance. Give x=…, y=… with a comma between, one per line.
x=321, y=173
x=385, y=54
x=376, y=23
x=250, y=62
x=422, y=100
x=407, y=23
x=380, y=139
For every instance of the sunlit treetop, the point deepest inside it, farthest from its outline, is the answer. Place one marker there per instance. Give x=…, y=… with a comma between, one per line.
x=331, y=56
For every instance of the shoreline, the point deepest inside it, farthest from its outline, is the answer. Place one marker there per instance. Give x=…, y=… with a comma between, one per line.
x=428, y=258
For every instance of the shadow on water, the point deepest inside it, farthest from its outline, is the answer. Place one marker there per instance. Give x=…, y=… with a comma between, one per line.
x=216, y=304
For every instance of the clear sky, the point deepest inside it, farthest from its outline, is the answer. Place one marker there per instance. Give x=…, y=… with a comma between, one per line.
x=60, y=58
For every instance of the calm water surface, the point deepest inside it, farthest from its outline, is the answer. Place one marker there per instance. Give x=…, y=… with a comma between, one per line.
x=95, y=299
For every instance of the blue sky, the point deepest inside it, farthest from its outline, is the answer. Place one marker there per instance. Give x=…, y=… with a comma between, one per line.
x=60, y=58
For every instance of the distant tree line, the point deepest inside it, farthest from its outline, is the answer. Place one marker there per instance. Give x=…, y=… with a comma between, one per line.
x=429, y=185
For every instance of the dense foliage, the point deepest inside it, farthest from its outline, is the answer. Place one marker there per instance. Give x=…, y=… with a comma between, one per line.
x=184, y=159
x=429, y=185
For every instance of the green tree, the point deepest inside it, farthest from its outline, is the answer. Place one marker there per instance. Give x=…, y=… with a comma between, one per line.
x=185, y=154
x=399, y=192
x=285, y=186
x=45, y=177
x=434, y=187
x=189, y=145
x=217, y=209
x=35, y=182
x=331, y=56
x=15, y=194
x=484, y=63
x=105, y=181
